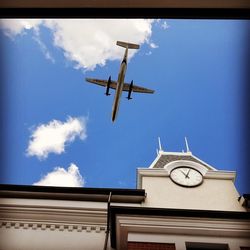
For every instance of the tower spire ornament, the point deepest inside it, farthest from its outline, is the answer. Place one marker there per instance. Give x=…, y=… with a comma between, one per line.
x=160, y=147
x=187, y=147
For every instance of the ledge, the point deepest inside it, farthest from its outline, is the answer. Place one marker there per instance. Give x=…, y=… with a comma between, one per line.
x=72, y=193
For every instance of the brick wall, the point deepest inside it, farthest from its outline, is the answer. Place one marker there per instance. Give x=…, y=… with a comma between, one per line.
x=150, y=246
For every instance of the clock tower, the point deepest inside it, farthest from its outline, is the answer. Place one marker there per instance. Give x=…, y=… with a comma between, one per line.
x=188, y=205
x=180, y=180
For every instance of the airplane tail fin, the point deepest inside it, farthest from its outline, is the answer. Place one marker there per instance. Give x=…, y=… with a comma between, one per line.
x=128, y=45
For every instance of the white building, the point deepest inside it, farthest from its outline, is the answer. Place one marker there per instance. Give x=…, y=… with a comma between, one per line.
x=180, y=203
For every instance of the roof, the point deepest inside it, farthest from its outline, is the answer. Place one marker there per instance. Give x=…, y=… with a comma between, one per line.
x=164, y=158
x=72, y=193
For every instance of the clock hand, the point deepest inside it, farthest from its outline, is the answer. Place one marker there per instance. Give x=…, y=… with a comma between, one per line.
x=188, y=173
x=186, y=176
x=183, y=173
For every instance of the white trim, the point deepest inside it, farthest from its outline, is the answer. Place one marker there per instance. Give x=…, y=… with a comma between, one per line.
x=222, y=175
x=176, y=153
x=156, y=159
x=187, y=163
x=209, y=166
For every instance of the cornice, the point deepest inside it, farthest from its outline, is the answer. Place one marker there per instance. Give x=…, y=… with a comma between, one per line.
x=184, y=225
x=24, y=225
x=221, y=175
x=189, y=227
x=176, y=221
x=52, y=218
x=53, y=214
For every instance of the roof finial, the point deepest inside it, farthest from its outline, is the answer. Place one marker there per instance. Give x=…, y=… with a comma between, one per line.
x=159, y=141
x=187, y=147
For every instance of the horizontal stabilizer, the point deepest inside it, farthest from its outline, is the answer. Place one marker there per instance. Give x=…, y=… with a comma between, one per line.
x=128, y=45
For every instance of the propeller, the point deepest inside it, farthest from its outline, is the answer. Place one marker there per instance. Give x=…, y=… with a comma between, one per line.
x=130, y=90
x=108, y=86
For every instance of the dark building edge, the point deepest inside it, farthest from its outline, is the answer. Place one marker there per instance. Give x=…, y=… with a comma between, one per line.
x=70, y=193
x=98, y=12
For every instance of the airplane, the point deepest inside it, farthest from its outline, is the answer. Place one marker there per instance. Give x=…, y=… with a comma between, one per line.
x=119, y=85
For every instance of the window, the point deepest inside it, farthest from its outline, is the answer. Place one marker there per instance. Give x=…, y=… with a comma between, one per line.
x=150, y=246
x=205, y=246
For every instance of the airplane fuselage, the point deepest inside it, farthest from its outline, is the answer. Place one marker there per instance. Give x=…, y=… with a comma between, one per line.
x=119, y=87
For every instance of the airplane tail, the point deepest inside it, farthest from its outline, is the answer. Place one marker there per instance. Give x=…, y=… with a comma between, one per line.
x=128, y=45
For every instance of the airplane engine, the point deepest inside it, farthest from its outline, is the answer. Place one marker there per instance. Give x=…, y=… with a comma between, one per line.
x=108, y=86
x=130, y=90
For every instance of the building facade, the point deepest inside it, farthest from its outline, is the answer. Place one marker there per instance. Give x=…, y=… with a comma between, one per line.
x=180, y=203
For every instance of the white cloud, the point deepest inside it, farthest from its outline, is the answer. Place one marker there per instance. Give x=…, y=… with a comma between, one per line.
x=149, y=53
x=52, y=137
x=44, y=49
x=165, y=25
x=87, y=42
x=153, y=45
x=13, y=27
x=62, y=177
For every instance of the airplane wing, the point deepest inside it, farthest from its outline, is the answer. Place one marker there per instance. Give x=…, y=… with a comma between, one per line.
x=102, y=82
x=137, y=89
x=126, y=86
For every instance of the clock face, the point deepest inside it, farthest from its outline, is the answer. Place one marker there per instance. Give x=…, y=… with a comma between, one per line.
x=186, y=176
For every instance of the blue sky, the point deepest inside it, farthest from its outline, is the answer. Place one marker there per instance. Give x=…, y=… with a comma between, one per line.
x=196, y=67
